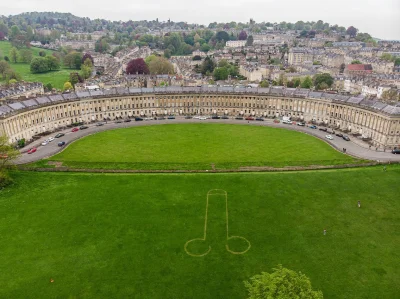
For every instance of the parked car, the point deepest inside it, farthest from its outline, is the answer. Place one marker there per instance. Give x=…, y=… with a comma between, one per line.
x=313, y=127
x=100, y=124
x=346, y=138
x=396, y=151
x=160, y=118
x=202, y=118
x=239, y=118
x=188, y=117
x=171, y=117
x=61, y=143
x=249, y=118
x=32, y=150
x=288, y=122
x=45, y=142
x=215, y=117
x=50, y=139
x=75, y=130
x=301, y=124
x=339, y=135
x=118, y=121
x=83, y=127
x=323, y=129
x=138, y=119
x=259, y=119
x=225, y=117
x=59, y=135
x=329, y=137
x=128, y=120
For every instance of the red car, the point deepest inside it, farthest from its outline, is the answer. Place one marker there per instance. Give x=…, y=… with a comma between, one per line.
x=75, y=129
x=32, y=150
x=249, y=118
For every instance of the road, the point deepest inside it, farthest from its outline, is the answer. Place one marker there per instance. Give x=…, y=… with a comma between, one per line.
x=52, y=148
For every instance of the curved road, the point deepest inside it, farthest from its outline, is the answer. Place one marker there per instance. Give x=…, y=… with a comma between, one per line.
x=338, y=143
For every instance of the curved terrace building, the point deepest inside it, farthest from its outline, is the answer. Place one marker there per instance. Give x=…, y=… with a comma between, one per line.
x=372, y=119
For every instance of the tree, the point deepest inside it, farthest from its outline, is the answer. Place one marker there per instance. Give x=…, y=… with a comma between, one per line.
x=160, y=65
x=6, y=58
x=323, y=78
x=75, y=78
x=352, y=31
x=396, y=61
x=281, y=283
x=250, y=40
x=221, y=73
x=67, y=86
x=49, y=86
x=207, y=66
x=222, y=35
x=264, y=84
x=137, y=66
x=11, y=74
x=167, y=53
x=87, y=56
x=52, y=63
x=242, y=35
x=8, y=154
x=4, y=67
x=205, y=47
x=42, y=53
x=14, y=32
x=14, y=54
x=390, y=95
x=342, y=67
x=356, y=62
x=307, y=82
x=387, y=57
x=25, y=55
x=39, y=65
x=73, y=60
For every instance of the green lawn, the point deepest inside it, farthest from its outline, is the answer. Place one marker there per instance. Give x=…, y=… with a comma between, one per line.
x=56, y=78
x=123, y=235
x=197, y=146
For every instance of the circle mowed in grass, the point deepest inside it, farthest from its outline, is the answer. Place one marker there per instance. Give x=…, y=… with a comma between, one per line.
x=198, y=146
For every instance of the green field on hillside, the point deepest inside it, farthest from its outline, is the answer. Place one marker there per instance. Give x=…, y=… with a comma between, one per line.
x=56, y=78
x=198, y=146
x=123, y=235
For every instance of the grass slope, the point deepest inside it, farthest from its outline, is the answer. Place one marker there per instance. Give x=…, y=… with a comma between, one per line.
x=197, y=146
x=122, y=236
x=56, y=78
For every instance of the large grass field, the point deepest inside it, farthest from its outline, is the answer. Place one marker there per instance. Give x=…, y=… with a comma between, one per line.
x=197, y=146
x=56, y=78
x=123, y=235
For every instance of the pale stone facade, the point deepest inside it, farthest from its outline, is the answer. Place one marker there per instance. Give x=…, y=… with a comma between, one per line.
x=373, y=119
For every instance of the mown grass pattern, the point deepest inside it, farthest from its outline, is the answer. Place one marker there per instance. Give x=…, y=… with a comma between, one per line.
x=122, y=235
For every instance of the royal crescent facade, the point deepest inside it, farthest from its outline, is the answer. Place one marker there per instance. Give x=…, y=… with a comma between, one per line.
x=372, y=119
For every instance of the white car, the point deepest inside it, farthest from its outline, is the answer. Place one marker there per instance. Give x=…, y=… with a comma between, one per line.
x=148, y=118
x=202, y=117
x=329, y=137
x=45, y=142
x=50, y=139
x=196, y=117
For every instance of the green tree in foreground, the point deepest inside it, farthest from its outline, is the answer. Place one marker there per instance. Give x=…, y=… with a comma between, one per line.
x=282, y=283
x=7, y=155
x=307, y=82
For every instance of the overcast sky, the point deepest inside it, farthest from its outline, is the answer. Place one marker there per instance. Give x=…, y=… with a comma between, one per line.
x=380, y=18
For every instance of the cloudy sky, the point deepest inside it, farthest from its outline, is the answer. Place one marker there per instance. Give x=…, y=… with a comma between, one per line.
x=380, y=18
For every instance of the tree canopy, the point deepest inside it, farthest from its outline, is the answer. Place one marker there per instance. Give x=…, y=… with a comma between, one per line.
x=282, y=283
x=137, y=66
x=160, y=65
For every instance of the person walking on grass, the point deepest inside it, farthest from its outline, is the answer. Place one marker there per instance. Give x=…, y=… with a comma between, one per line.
x=359, y=204
x=324, y=232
